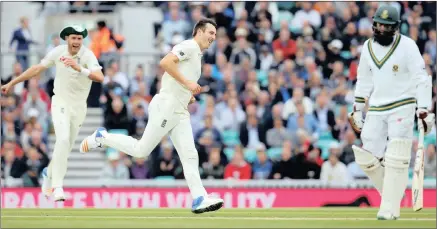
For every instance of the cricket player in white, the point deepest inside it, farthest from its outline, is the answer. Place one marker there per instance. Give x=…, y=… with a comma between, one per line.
x=168, y=114
x=393, y=79
x=76, y=68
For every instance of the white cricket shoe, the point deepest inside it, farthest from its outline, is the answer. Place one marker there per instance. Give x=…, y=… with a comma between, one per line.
x=46, y=187
x=92, y=142
x=59, y=194
x=386, y=216
x=206, y=204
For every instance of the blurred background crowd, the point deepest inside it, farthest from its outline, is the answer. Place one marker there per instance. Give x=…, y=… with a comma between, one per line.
x=279, y=82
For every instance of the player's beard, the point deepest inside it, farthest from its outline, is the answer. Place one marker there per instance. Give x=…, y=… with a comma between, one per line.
x=383, y=38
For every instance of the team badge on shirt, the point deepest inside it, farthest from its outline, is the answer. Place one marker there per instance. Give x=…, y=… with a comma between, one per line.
x=395, y=68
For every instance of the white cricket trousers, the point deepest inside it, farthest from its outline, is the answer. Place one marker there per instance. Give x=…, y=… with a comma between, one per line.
x=67, y=120
x=166, y=116
x=377, y=127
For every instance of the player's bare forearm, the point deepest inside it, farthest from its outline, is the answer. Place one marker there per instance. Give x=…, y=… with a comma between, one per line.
x=28, y=74
x=170, y=64
x=96, y=76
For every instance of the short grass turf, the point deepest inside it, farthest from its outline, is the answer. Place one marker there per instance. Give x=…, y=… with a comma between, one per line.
x=224, y=218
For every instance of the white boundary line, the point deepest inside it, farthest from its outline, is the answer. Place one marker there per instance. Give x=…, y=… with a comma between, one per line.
x=209, y=218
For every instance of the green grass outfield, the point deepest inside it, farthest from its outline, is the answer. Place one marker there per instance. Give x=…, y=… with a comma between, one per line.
x=224, y=218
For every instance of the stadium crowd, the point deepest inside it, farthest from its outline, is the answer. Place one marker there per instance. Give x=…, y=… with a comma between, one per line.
x=279, y=83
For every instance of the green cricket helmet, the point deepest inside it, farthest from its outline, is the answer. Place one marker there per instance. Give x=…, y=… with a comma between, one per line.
x=389, y=17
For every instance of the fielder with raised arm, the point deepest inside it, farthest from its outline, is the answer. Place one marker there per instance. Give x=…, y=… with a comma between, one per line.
x=76, y=68
x=392, y=77
x=168, y=114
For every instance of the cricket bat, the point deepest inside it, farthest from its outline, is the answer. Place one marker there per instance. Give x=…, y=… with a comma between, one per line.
x=417, y=186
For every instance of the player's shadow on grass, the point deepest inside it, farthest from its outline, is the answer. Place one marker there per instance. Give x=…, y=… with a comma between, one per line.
x=360, y=201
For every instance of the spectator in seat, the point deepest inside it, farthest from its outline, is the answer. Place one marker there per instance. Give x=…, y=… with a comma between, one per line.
x=117, y=116
x=138, y=79
x=252, y=133
x=37, y=143
x=118, y=76
x=10, y=143
x=35, y=162
x=302, y=168
x=334, y=172
x=242, y=49
x=115, y=169
x=430, y=162
x=176, y=24
x=219, y=67
x=269, y=117
x=263, y=104
x=223, y=84
x=278, y=59
x=298, y=97
x=302, y=120
x=232, y=115
x=207, y=82
x=18, y=88
x=11, y=166
x=110, y=82
x=365, y=24
x=251, y=91
x=203, y=143
x=238, y=168
x=278, y=134
x=209, y=126
x=342, y=123
x=348, y=156
x=138, y=122
x=167, y=163
x=324, y=115
x=213, y=168
x=314, y=155
x=282, y=169
x=139, y=169
x=333, y=53
x=265, y=57
x=35, y=107
x=195, y=15
x=431, y=45
x=284, y=43
x=139, y=98
x=306, y=15
x=222, y=45
x=9, y=129
x=26, y=134
x=262, y=167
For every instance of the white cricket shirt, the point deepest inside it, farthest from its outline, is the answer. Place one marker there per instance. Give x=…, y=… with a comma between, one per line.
x=390, y=75
x=190, y=66
x=70, y=87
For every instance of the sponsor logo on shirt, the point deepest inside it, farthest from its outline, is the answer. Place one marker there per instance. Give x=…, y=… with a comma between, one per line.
x=164, y=122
